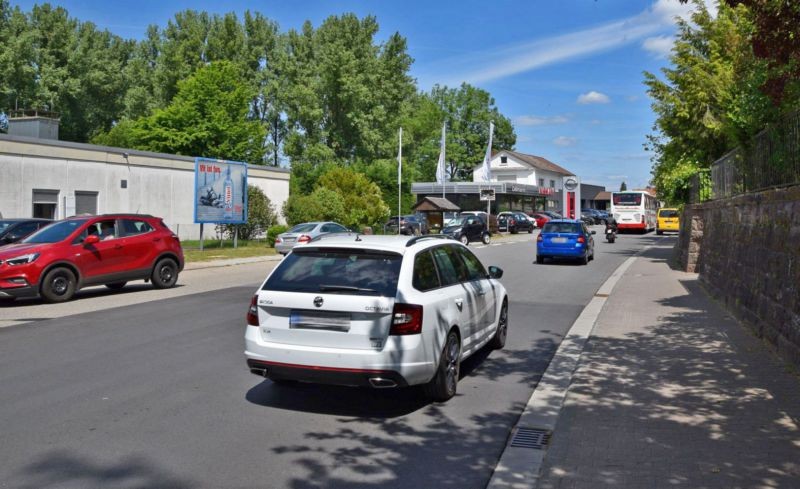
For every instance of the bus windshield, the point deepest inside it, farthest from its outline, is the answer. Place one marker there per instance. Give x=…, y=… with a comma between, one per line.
x=627, y=199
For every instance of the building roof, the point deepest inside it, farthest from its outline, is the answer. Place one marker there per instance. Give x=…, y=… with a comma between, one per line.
x=436, y=204
x=602, y=196
x=537, y=162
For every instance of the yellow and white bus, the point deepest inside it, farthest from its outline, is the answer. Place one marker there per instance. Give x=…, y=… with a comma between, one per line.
x=634, y=210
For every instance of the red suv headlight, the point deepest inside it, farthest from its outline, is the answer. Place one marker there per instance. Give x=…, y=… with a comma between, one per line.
x=23, y=259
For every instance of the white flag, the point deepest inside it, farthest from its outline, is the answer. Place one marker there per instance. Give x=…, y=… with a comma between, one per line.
x=400, y=159
x=486, y=169
x=441, y=171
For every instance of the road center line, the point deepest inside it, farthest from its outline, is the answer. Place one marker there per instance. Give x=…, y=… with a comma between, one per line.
x=518, y=467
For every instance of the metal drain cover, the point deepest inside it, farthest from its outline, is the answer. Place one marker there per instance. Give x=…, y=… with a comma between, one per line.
x=531, y=438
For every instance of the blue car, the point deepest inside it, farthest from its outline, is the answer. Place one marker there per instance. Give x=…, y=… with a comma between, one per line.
x=565, y=238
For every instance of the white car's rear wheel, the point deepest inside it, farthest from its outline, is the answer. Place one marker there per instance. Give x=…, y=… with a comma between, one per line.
x=444, y=384
x=499, y=339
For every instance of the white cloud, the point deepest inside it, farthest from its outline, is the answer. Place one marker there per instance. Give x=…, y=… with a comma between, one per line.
x=670, y=10
x=536, y=120
x=564, y=141
x=593, y=97
x=595, y=122
x=511, y=59
x=659, y=46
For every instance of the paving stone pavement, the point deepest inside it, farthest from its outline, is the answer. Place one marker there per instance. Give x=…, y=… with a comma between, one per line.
x=672, y=392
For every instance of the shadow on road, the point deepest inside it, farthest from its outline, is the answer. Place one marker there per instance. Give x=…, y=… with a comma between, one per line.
x=60, y=468
x=83, y=294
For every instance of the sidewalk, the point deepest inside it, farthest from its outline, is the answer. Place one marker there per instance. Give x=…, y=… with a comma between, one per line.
x=672, y=392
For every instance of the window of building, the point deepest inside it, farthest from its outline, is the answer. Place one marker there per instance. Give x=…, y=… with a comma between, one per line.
x=552, y=184
x=45, y=203
x=541, y=182
x=506, y=178
x=85, y=203
x=504, y=161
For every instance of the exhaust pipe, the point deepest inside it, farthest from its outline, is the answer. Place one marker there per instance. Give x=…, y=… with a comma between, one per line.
x=380, y=383
x=260, y=371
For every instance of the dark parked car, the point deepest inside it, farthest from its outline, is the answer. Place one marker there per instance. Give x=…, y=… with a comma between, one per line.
x=467, y=228
x=552, y=215
x=13, y=230
x=565, y=238
x=598, y=216
x=109, y=250
x=514, y=222
x=409, y=225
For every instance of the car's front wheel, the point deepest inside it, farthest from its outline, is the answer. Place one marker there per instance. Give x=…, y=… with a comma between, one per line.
x=165, y=273
x=59, y=285
x=464, y=240
x=444, y=384
x=540, y=260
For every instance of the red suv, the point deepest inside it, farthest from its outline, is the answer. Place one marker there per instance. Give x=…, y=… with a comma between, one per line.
x=81, y=251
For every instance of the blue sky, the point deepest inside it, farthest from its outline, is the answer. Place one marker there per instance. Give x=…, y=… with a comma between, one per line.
x=568, y=73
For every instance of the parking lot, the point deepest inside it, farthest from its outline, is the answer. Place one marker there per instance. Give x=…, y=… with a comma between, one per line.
x=146, y=388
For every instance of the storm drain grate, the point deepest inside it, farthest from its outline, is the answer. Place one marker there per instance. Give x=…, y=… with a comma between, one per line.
x=531, y=438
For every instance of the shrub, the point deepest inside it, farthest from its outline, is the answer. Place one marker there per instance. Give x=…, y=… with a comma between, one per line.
x=273, y=233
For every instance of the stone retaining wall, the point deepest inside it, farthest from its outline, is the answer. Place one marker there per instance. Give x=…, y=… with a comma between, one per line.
x=747, y=252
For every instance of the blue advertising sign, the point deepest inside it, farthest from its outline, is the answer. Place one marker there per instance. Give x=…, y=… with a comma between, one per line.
x=220, y=191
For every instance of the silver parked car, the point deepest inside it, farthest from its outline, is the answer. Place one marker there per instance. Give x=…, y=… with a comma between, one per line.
x=305, y=232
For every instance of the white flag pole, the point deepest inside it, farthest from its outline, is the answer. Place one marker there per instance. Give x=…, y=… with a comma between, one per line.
x=399, y=179
x=487, y=174
x=442, y=166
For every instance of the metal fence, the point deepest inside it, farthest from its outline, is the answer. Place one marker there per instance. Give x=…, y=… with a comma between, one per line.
x=771, y=159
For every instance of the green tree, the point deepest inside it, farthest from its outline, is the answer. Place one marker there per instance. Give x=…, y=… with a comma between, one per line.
x=709, y=102
x=776, y=40
x=623, y=187
x=344, y=93
x=467, y=111
x=54, y=62
x=208, y=117
x=363, y=202
x=320, y=205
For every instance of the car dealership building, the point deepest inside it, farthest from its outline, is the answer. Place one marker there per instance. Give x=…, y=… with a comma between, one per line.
x=43, y=177
x=520, y=182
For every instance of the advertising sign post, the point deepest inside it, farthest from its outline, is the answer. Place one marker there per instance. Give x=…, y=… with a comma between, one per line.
x=220, y=193
x=572, y=197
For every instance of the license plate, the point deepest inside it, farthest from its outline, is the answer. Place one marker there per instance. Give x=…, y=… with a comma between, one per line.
x=320, y=320
x=558, y=240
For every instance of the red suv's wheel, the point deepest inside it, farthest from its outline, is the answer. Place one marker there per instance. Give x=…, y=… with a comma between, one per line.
x=165, y=273
x=58, y=285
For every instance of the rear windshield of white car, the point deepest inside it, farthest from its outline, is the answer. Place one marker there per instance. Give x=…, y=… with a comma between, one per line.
x=561, y=227
x=338, y=271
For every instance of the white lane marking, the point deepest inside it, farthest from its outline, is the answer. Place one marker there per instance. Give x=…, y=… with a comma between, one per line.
x=518, y=468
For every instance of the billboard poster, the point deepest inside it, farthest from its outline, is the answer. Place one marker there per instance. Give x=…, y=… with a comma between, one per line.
x=220, y=191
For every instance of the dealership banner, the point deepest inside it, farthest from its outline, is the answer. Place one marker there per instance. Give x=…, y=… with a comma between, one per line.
x=220, y=191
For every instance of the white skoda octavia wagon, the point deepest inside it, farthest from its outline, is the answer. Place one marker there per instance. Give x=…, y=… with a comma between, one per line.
x=376, y=311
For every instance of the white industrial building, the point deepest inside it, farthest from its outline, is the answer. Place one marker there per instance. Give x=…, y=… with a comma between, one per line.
x=56, y=179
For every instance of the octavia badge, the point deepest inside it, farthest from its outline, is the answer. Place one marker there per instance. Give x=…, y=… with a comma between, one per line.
x=318, y=301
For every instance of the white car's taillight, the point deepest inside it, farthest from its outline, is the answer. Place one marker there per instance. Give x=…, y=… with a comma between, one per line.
x=406, y=319
x=252, y=312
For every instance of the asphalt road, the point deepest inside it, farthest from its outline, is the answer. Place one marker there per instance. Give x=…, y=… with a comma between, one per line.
x=157, y=395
